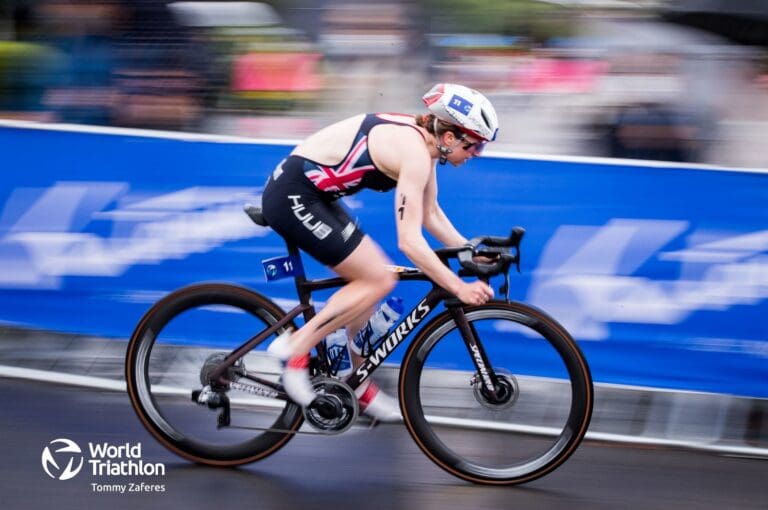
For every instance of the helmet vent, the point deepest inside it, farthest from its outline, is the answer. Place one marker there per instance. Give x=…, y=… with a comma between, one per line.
x=485, y=118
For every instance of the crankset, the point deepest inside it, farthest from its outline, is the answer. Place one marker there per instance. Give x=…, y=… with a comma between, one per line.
x=335, y=408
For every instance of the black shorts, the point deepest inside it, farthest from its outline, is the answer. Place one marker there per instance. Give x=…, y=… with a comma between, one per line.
x=307, y=217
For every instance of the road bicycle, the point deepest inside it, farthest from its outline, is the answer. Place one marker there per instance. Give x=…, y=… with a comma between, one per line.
x=495, y=394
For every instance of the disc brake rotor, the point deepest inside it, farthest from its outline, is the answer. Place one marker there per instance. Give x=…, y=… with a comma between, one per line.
x=507, y=391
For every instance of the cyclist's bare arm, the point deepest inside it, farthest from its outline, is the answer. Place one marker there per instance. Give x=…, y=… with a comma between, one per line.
x=415, y=172
x=437, y=223
x=435, y=220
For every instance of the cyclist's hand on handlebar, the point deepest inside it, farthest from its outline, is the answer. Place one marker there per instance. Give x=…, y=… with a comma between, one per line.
x=481, y=259
x=475, y=293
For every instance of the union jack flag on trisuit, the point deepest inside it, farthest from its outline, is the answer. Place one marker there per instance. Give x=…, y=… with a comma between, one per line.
x=344, y=176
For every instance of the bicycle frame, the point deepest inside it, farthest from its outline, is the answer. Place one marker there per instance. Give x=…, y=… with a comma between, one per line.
x=438, y=413
x=399, y=333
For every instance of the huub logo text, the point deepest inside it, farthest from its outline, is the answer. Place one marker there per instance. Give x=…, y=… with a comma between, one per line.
x=314, y=225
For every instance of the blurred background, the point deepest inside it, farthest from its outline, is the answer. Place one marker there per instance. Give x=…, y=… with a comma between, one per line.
x=659, y=270
x=647, y=79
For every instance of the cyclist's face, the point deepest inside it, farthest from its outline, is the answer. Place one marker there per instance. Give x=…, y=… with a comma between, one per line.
x=464, y=147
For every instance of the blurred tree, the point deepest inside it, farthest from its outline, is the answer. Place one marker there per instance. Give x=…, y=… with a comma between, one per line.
x=26, y=64
x=539, y=21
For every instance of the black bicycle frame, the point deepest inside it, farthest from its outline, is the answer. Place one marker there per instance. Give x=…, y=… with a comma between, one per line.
x=385, y=348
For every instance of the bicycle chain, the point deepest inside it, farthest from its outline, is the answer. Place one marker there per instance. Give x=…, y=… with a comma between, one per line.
x=254, y=390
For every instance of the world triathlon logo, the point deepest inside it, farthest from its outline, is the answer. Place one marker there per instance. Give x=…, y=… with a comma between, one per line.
x=62, y=452
x=63, y=459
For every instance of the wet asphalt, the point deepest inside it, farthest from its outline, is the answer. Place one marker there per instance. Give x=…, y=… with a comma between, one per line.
x=362, y=468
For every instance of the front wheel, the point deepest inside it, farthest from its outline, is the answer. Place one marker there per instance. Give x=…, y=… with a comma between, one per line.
x=542, y=403
x=172, y=352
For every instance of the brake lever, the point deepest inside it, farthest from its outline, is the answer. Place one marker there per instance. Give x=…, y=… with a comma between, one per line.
x=517, y=237
x=504, y=289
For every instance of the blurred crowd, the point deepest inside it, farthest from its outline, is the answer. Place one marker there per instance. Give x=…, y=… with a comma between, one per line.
x=101, y=62
x=567, y=81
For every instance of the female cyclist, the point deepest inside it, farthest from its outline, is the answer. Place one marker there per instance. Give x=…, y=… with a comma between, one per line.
x=380, y=152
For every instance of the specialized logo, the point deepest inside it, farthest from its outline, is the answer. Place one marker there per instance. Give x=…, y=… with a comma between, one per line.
x=62, y=452
x=393, y=340
x=481, y=367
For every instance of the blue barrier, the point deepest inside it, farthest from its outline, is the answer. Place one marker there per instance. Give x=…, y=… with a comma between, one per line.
x=660, y=271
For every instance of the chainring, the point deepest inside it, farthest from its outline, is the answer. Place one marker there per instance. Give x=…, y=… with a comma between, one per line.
x=335, y=409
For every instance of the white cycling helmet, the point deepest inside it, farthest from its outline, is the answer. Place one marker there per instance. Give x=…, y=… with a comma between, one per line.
x=465, y=108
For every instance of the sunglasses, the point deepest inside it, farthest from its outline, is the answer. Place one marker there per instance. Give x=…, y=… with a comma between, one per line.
x=476, y=147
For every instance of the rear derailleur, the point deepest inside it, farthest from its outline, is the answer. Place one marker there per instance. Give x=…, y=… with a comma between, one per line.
x=214, y=393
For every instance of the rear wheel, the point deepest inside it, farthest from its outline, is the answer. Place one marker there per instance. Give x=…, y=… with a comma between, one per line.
x=178, y=342
x=542, y=403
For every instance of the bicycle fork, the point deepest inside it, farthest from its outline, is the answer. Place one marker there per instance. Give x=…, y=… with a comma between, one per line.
x=475, y=348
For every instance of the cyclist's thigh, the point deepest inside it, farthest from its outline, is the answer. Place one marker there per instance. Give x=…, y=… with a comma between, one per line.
x=320, y=227
x=367, y=262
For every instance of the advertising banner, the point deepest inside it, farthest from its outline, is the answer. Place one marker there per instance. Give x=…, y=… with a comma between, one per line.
x=660, y=271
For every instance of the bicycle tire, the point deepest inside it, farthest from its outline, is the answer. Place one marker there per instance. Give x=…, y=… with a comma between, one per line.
x=442, y=418
x=147, y=373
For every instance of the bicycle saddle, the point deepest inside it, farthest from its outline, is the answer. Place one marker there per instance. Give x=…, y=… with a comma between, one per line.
x=255, y=214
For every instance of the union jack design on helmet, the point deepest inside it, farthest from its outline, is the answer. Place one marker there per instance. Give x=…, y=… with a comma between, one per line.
x=465, y=108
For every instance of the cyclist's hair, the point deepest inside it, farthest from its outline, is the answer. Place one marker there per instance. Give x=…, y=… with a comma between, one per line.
x=427, y=121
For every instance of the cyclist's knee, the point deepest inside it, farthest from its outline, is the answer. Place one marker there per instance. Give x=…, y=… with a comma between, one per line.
x=382, y=283
x=367, y=265
x=389, y=282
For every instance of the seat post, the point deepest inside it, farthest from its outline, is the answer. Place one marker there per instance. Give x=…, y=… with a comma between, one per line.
x=305, y=297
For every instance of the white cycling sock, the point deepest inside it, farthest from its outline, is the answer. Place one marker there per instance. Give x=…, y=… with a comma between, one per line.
x=296, y=380
x=281, y=346
x=295, y=370
x=376, y=403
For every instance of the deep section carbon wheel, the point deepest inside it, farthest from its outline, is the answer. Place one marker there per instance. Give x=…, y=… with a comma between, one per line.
x=169, y=362
x=535, y=418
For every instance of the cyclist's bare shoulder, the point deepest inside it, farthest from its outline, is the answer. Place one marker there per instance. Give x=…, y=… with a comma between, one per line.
x=390, y=145
x=329, y=145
